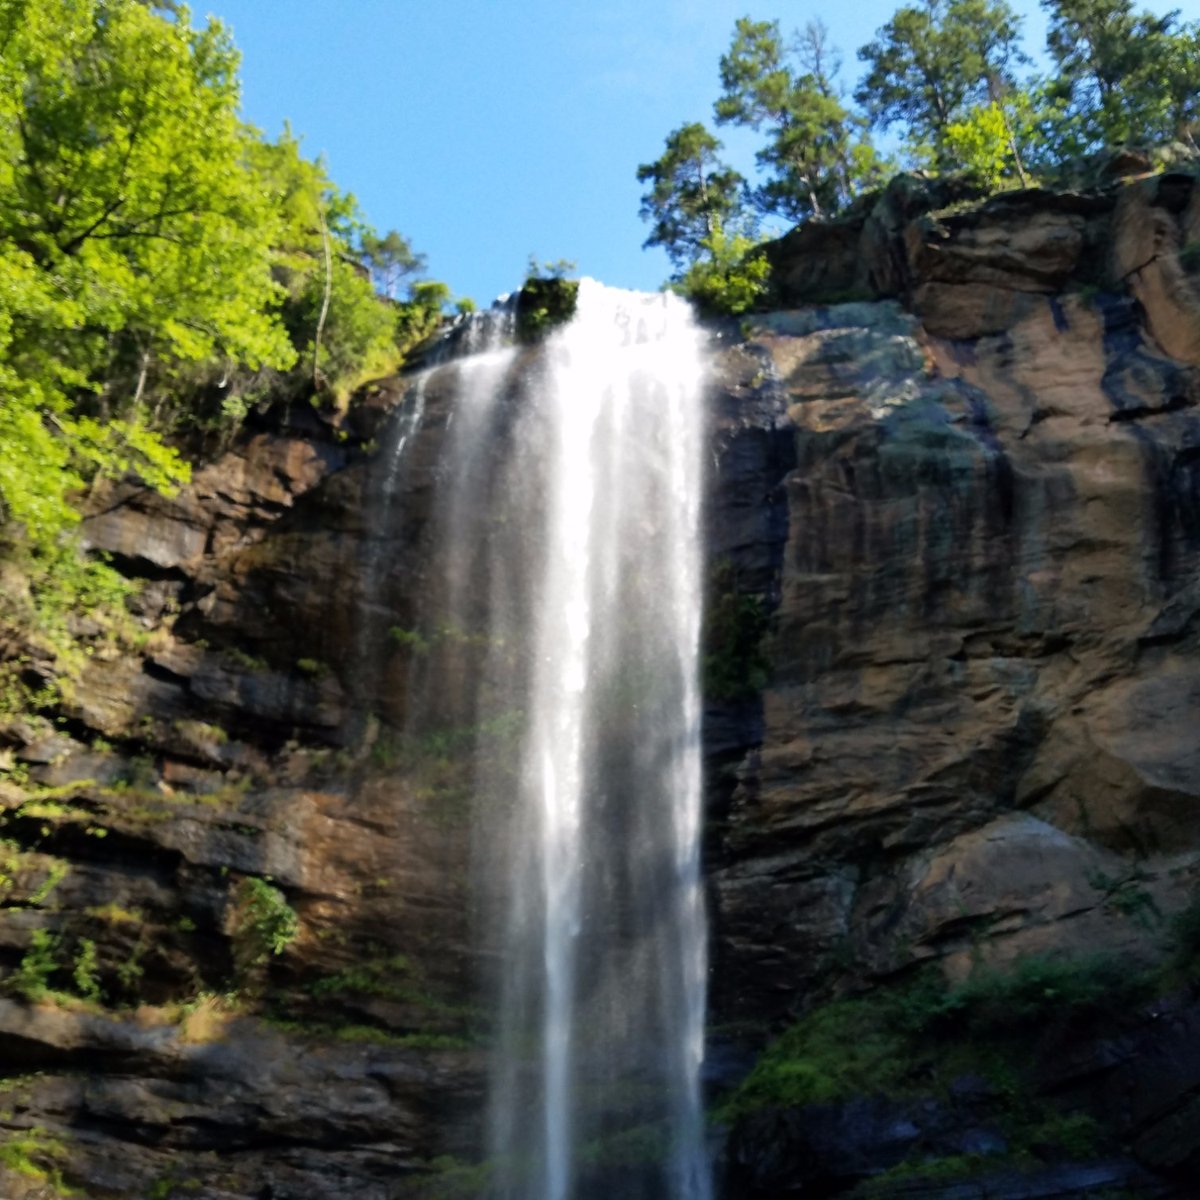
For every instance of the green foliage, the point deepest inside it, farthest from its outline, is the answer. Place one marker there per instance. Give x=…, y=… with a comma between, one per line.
x=133, y=241
x=1123, y=77
x=839, y=1050
x=57, y=873
x=84, y=972
x=451, y=1179
x=550, y=268
x=342, y=332
x=422, y=315
x=545, y=302
x=928, y=1170
x=389, y=976
x=734, y=627
x=1036, y=994
x=412, y=640
x=731, y=280
x=980, y=144
x=161, y=266
x=264, y=923
x=31, y=979
x=932, y=63
x=906, y=1041
x=817, y=155
x=34, y=1153
x=390, y=259
x=692, y=193
x=39, y=963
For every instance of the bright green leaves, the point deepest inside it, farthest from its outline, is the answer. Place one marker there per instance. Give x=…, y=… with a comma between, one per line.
x=129, y=184
x=980, y=143
x=729, y=278
x=133, y=239
x=161, y=265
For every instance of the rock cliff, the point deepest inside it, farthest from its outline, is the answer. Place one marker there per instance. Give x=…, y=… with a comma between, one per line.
x=954, y=722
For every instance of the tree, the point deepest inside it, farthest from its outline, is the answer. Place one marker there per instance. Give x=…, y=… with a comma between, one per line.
x=127, y=181
x=1122, y=76
x=390, y=259
x=729, y=278
x=692, y=193
x=1181, y=69
x=931, y=63
x=817, y=155
x=343, y=332
x=132, y=240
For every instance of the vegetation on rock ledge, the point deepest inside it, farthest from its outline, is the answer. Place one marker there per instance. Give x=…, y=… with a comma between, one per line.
x=951, y=77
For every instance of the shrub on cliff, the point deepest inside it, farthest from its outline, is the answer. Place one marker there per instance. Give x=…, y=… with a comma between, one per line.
x=730, y=279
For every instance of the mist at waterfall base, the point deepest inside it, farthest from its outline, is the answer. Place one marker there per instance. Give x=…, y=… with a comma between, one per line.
x=557, y=640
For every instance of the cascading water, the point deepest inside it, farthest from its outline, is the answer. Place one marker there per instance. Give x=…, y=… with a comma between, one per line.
x=562, y=628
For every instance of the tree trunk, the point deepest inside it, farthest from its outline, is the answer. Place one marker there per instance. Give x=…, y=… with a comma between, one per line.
x=316, y=375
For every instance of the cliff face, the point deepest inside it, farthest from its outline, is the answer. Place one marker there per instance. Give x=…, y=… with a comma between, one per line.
x=955, y=547
x=981, y=733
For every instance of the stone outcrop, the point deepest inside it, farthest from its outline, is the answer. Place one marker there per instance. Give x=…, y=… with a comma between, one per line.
x=954, y=537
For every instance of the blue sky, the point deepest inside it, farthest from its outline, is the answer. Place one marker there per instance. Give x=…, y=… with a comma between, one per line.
x=489, y=130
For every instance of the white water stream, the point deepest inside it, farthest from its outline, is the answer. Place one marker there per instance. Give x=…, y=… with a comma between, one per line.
x=568, y=546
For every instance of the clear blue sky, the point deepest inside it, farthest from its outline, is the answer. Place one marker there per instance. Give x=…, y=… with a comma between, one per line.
x=489, y=130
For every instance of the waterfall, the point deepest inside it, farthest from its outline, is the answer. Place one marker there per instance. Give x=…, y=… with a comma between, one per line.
x=563, y=626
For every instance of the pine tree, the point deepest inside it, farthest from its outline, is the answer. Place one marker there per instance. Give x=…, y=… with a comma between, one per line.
x=692, y=193
x=817, y=155
x=1123, y=77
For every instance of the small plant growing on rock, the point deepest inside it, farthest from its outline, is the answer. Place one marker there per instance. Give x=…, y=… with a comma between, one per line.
x=31, y=979
x=547, y=298
x=264, y=923
x=85, y=974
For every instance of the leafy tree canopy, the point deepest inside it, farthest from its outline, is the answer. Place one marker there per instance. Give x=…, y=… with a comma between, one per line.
x=933, y=61
x=151, y=245
x=1122, y=76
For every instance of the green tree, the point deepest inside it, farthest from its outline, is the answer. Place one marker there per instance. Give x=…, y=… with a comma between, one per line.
x=1122, y=76
x=342, y=332
x=133, y=241
x=125, y=180
x=932, y=62
x=691, y=194
x=390, y=259
x=1181, y=77
x=817, y=154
